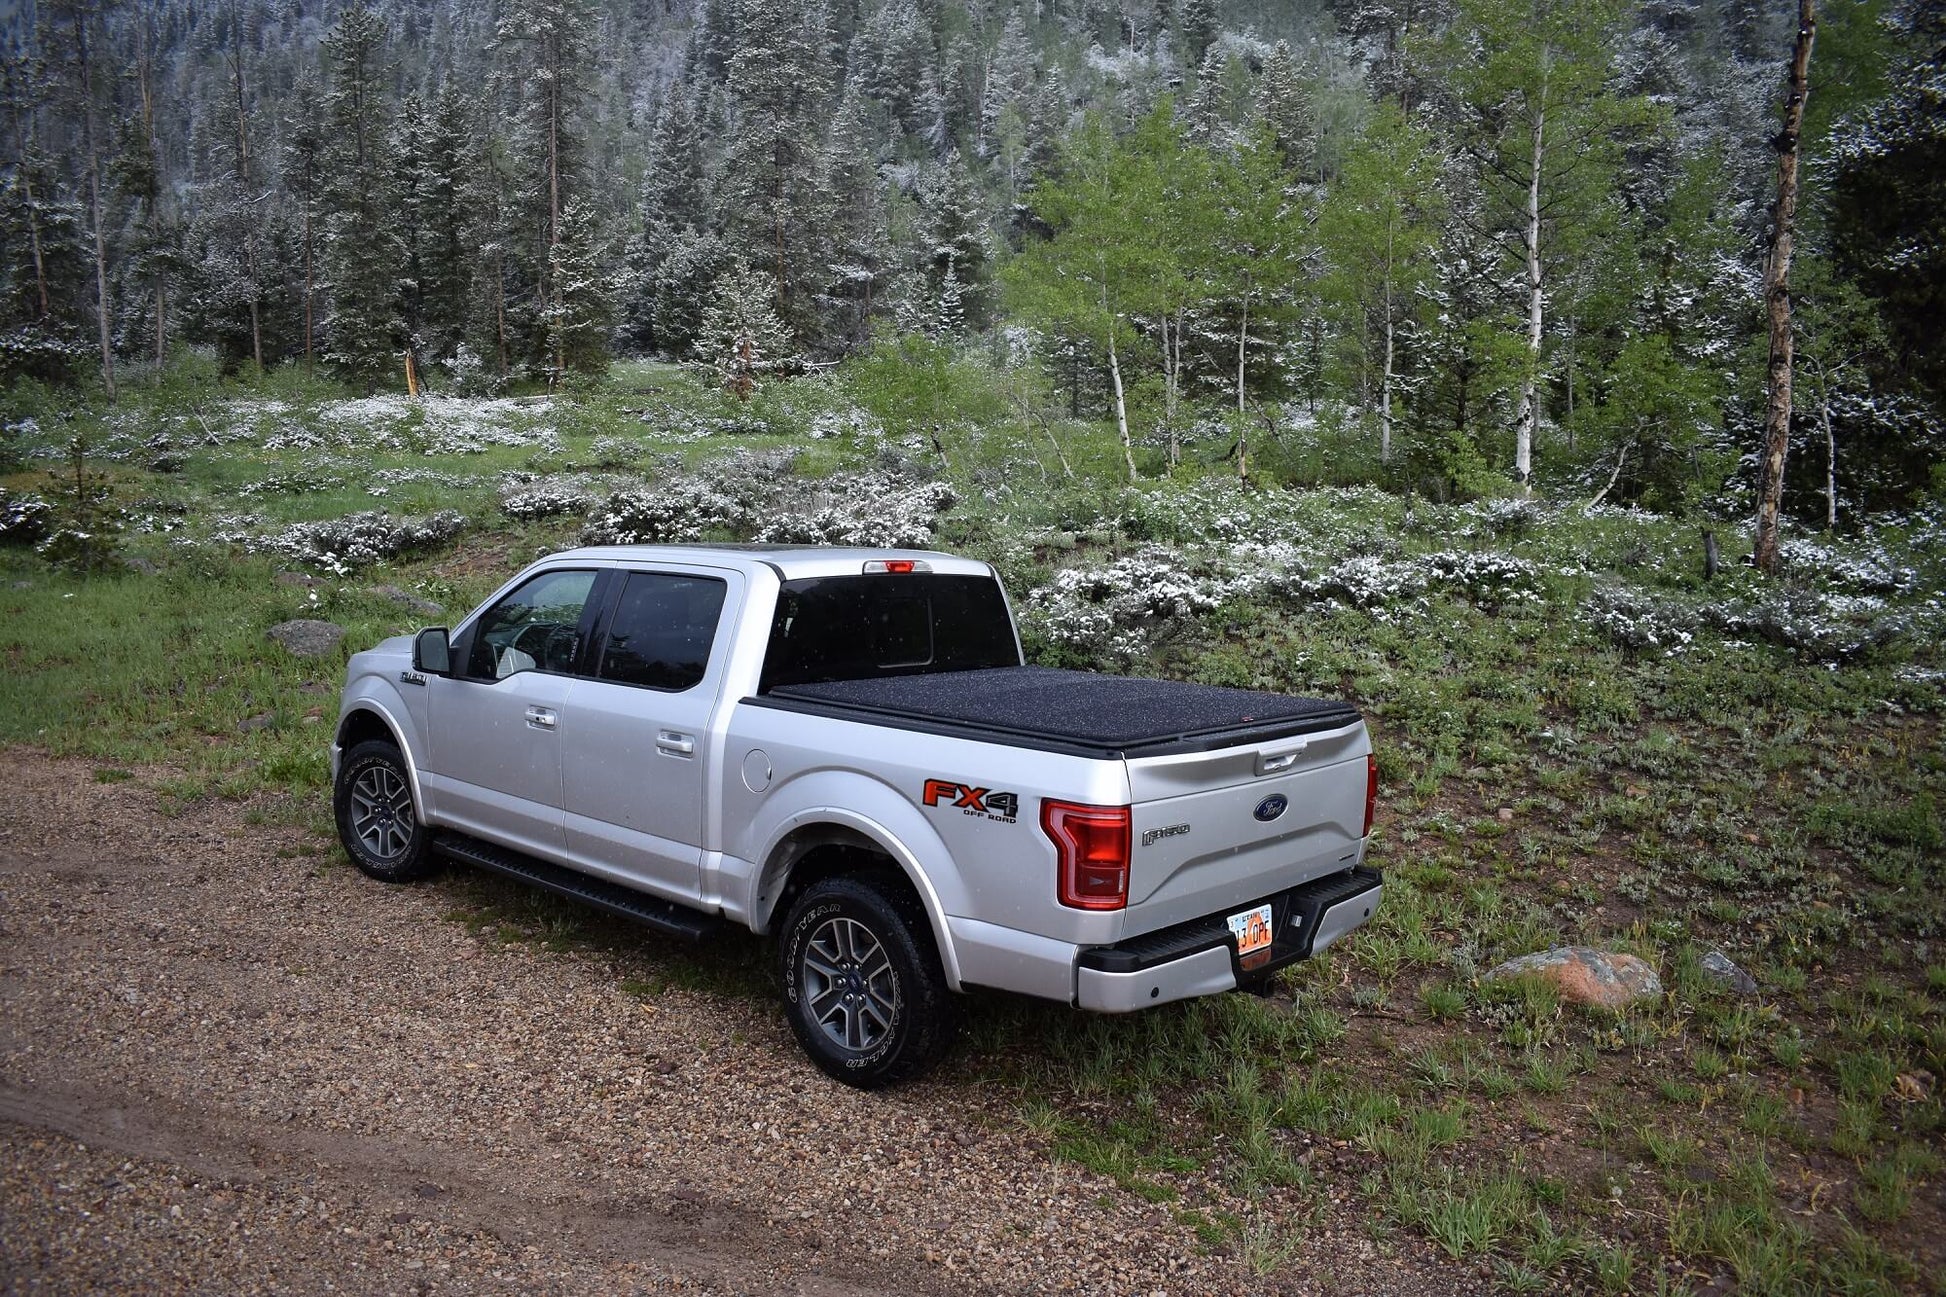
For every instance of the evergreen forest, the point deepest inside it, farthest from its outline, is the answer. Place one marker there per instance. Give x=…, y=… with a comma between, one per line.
x=1453, y=247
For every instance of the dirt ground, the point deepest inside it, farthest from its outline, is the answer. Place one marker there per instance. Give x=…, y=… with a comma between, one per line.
x=229, y=1063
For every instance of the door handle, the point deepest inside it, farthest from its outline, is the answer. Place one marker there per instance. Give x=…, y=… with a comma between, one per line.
x=541, y=718
x=679, y=745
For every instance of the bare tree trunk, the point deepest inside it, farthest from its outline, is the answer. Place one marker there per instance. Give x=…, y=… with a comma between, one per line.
x=243, y=181
x=84, y=71
x=1385, y=387
x=309, y=287
x=1053, y=441
x=34, y=240
x=1830, y=461
x=1777, y=296
x=142, y=69
x=1121, y=406
x=1529, y=416
x=1243, y=339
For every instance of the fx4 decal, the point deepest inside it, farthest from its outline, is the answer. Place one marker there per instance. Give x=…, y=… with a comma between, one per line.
x=968, y=800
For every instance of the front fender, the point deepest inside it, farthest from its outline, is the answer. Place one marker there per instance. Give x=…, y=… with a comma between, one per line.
x=376, y=694
x=875, y=810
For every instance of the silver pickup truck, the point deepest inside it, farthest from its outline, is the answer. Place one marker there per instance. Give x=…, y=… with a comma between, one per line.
x=844, y=747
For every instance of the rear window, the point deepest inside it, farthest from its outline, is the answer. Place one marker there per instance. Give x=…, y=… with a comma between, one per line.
x=864, y=627
x=662, y=629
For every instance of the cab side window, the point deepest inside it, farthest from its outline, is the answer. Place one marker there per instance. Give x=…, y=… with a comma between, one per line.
x=536, y=628
x=662, y=630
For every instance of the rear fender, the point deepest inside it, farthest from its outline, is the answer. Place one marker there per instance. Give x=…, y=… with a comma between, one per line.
x=854, y=804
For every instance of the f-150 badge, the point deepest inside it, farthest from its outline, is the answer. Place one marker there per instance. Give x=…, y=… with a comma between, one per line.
x=969, y=800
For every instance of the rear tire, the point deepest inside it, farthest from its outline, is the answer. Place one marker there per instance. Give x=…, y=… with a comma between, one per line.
x=862, y=983
x=377, y=821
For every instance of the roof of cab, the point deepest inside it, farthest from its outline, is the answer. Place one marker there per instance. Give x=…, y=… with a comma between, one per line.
x=791, y=562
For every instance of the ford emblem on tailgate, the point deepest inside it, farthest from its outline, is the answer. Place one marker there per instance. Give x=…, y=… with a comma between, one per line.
x=1271, y=807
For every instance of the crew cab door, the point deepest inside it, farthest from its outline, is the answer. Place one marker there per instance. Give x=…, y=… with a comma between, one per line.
x=495, y=767
x=635, y=773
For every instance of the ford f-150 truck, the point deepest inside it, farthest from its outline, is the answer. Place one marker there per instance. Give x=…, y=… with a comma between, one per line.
x=845, y=748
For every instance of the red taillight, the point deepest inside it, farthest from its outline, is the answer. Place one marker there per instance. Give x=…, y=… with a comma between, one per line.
x=1371, y=792
x=1092, y=843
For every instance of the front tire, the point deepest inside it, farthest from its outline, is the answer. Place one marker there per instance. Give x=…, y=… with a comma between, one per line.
x=377, y=822
x=863, y=988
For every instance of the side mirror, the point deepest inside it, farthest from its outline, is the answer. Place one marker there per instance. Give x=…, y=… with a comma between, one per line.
x=431, y=653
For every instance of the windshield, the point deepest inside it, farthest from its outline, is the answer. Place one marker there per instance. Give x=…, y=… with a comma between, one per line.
x=864, y=627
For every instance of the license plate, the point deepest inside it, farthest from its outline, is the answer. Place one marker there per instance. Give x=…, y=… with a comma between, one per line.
x=1252, y=929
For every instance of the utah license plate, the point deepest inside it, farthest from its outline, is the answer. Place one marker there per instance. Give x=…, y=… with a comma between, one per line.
x=1252, y=929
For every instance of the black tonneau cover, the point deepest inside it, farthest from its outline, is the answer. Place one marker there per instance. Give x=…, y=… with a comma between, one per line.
x=1080, y=711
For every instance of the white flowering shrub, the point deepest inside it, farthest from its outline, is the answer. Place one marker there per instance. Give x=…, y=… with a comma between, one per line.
x=24, y=517
x=339, y=545
x=1638, y=623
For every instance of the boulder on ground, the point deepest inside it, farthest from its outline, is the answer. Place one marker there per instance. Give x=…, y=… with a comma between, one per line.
x=409, y=600
x=308, y=638
x=1586, y=976
x=1719, y=968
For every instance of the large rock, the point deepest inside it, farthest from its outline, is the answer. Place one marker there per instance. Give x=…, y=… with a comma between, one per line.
x=307, y=637
x=1586, y=976
x=409, y=601
x=1722, y=970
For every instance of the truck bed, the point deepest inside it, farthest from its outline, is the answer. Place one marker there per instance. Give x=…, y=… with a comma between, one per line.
x=1069, y=711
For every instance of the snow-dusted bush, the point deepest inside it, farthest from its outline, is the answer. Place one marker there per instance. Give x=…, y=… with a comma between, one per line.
x=1638, y=622
x=1871, y=571
x=1823, y=628
x=1366, y=582
x=614, y=452
x=1118, y=611
x=845, y=423
x=683, y=511
x=872, y=509
x=1510, y=518
x=340, y=544
x=298, y=482
x=24, y=517
x=543, y=500
x=1490, y=580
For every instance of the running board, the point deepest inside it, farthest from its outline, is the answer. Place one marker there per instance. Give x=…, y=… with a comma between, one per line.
x=663, y=916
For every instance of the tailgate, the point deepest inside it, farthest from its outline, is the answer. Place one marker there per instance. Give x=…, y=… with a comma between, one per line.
x=1209, y=834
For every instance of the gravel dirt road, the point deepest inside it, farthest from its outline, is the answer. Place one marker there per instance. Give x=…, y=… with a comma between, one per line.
x=229, y=1063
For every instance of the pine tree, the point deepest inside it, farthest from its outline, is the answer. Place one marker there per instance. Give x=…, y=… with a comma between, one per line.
x=954, y=226
x=302, y=170
x=364, y=257
x=1198, y=28
x=436, y=207
x=580, y=311
x=862, y=257
x=741, y=333
x=1284, y=104
x=775, y=197
x=550, y=43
